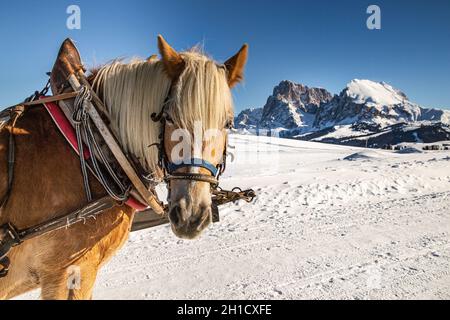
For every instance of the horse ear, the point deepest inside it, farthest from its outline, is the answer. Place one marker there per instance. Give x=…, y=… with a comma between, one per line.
x=173, y=62
x=235, y=66
x=152, y=58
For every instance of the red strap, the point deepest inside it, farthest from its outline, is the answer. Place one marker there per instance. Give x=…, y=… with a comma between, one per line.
x=64, y=126
x=59, y=118
x=138, y=206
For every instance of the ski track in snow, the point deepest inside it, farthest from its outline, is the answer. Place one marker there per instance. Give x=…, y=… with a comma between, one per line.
x=374, y=227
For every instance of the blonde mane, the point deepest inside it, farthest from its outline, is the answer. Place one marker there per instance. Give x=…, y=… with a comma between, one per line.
x=201, y=94
x=133, y=91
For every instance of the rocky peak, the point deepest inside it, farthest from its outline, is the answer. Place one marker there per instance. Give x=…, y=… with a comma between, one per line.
x=288, y=90
x=300, y=95
x=293, y=105
x=248, y=118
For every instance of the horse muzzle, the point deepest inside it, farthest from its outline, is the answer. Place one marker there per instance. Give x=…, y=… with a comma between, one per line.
x=189, y=222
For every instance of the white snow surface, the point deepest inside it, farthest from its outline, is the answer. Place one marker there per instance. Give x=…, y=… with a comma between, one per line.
x=342, y=131
x=366, y=91
x=377, y=227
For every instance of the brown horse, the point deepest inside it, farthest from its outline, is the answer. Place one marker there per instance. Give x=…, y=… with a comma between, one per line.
x=48, y=181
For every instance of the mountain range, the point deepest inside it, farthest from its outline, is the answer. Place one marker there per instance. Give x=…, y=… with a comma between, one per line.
x=365, y=113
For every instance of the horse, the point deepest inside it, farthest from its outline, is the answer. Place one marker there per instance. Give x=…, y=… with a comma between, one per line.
x=191, y=88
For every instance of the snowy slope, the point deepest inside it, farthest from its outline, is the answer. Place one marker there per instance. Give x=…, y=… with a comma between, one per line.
x=329, y=222
x=376, y=93
x=391, y=102
x=370, y=102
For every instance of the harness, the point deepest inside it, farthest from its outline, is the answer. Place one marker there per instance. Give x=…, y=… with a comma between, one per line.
x=171, y=169
x=135, y=190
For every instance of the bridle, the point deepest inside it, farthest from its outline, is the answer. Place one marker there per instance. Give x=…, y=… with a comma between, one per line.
x=170, y=168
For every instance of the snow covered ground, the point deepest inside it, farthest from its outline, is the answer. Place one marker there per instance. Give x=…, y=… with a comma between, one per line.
x=330, y=222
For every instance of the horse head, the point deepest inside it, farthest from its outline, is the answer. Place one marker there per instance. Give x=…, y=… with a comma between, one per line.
x=191, y=93
x=197, y=114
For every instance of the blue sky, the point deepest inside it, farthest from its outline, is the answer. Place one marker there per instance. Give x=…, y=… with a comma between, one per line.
x=318, y=43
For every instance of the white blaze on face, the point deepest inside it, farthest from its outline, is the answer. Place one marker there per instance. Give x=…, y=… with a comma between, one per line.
x=190, y=201
x=181, y=151
x=187, y=148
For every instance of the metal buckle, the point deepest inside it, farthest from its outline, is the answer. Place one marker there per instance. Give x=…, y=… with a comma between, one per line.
x=9, y=238
x=4, y=267
x=215, y=212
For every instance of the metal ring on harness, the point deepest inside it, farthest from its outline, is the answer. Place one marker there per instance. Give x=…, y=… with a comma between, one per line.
x=4, y=266
x=8, y=239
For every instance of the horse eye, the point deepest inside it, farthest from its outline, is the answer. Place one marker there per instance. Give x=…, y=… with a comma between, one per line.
x=229, y=124
x=169, y=120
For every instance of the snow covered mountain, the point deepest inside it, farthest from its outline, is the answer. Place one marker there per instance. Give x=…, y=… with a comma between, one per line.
x=293, y=105
x=374, y=102
x=362, y=109
x=248, y=118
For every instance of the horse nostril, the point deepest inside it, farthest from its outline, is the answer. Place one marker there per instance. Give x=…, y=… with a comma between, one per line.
x=175, y=215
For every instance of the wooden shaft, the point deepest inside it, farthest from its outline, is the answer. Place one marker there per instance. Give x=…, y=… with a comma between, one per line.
x=59, y=97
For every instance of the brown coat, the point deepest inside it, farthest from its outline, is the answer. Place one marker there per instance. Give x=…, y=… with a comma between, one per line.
x=48, y=183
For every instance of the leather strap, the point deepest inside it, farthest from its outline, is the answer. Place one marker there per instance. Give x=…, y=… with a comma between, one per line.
x=194, y=162
x=194, y=177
